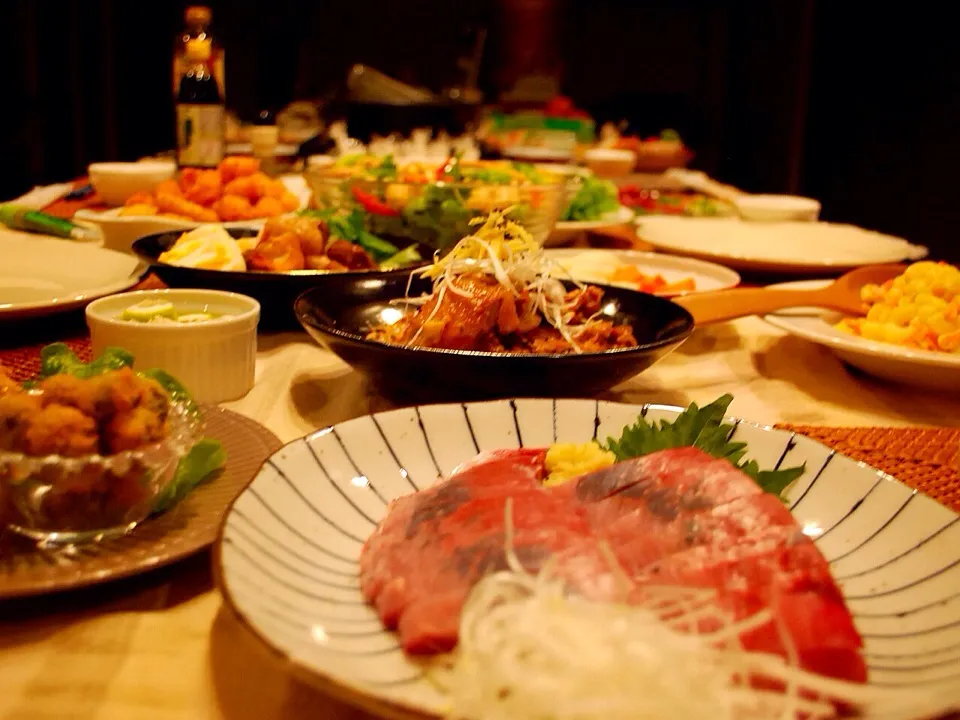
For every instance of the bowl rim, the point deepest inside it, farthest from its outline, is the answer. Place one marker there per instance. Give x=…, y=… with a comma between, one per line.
x=119, y=168
x=137, y=247
x=94, y=312
x=320, y=175
x=775, y=202
x=305, y=319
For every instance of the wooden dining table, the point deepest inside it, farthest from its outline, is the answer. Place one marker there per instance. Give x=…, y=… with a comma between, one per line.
x=163, y=645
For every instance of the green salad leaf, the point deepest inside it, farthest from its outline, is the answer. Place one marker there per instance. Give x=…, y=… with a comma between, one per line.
x=175, y=389
x=58, y=358
x=196, y=467
x=594, y=199
x=437, y=218
x=530, y=172
x=386, y=170
x=701, y=428
x=351, y=226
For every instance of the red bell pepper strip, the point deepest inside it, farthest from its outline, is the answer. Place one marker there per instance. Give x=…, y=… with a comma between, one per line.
x=372, y=204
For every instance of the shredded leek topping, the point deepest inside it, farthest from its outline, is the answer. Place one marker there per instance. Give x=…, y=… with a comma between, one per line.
x=503, y=249
x=529, y=650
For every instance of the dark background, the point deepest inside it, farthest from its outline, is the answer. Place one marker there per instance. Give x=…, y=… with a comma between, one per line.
x=853, y=104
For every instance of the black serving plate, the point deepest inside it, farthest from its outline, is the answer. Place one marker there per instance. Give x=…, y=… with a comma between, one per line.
x=339, y=315
x=276, y=292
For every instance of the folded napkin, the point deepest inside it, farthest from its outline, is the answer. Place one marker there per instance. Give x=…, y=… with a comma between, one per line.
x=42, y=196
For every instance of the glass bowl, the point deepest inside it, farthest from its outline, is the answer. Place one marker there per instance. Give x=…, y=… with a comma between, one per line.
x=437, y=214
x=58, y=500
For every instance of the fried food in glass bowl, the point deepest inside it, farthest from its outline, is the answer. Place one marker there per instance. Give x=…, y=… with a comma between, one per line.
x=86, y=458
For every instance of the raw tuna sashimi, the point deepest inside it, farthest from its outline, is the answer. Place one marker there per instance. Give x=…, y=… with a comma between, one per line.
x=676, y=517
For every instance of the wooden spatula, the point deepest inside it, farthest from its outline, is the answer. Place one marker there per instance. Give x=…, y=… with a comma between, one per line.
x=843, y=294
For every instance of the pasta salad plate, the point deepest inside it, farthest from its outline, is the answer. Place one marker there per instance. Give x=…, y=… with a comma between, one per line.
x=920, y=368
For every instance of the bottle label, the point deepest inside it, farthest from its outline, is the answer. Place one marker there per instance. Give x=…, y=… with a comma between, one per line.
x=200, y=135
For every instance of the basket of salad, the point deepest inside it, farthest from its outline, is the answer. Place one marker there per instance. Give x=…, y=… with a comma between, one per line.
x=432, y=204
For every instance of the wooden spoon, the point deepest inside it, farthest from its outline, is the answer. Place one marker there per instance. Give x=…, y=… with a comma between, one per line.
x=842, y=294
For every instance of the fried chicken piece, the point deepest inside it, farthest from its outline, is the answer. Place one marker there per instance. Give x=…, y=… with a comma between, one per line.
x=233, y=207
x=182, y=206
x=132, y=429
x=289, y=202
x=267, y=207
x=71, y=391
x=8, y=385
x=14, y=407
x=322, y=262
x=141, y=198
x=141, y=209
x=252, y=187
x=120, y=391
x=168, y=187
x=207, y=188
x=277, y=253
x=352, y=256
x=238, y=166
x=313, y=234
x=56, y=430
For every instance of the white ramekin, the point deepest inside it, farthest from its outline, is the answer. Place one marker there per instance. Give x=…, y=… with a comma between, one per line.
x=215, y=360
x=610, y=162
x=777, y=208
x=115, y=182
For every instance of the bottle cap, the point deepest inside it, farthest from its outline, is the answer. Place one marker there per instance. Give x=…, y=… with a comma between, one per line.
x=198, y=15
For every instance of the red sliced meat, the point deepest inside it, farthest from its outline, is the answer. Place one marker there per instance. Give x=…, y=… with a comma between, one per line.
x=793, y=581
x=677, y=517
x=495, y=473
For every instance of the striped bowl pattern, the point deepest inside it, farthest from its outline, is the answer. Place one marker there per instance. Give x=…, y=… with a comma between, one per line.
x=287, y=555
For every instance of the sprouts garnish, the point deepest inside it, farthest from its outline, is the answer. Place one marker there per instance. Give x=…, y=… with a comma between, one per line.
x=503, y=249
x=528, y=649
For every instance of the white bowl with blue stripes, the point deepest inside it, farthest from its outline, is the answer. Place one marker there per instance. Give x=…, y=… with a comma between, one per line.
x=288, y=550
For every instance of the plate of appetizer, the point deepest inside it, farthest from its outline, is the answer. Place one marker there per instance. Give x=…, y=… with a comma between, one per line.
x=910, y=333
x=107, y=472
x=433, y=202
x=535, y=558
x=785, y=247
x=488, y=318
x=234, y=192
x=277, y=261
x=655, y=273
x=39, y=276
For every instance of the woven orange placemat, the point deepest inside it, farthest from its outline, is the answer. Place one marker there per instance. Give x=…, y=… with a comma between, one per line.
x=927, y=459
x=24, y=363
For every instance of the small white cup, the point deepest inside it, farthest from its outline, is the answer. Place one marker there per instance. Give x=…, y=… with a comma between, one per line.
x=215, y=359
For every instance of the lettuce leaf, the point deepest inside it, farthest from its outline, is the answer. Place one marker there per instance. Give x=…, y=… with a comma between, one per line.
x=701, y=428
x=197, y=466
x=58, y=359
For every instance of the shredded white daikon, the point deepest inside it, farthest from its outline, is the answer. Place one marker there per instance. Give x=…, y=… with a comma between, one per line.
x=504, y=250
x=529, y=650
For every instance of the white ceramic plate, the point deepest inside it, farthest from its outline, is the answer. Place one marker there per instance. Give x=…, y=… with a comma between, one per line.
x=120, y=231
x=40, y=275
x=287, y=555
x=707, y=276
x=565, y=230
x=791, y=247
x=921, y=368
